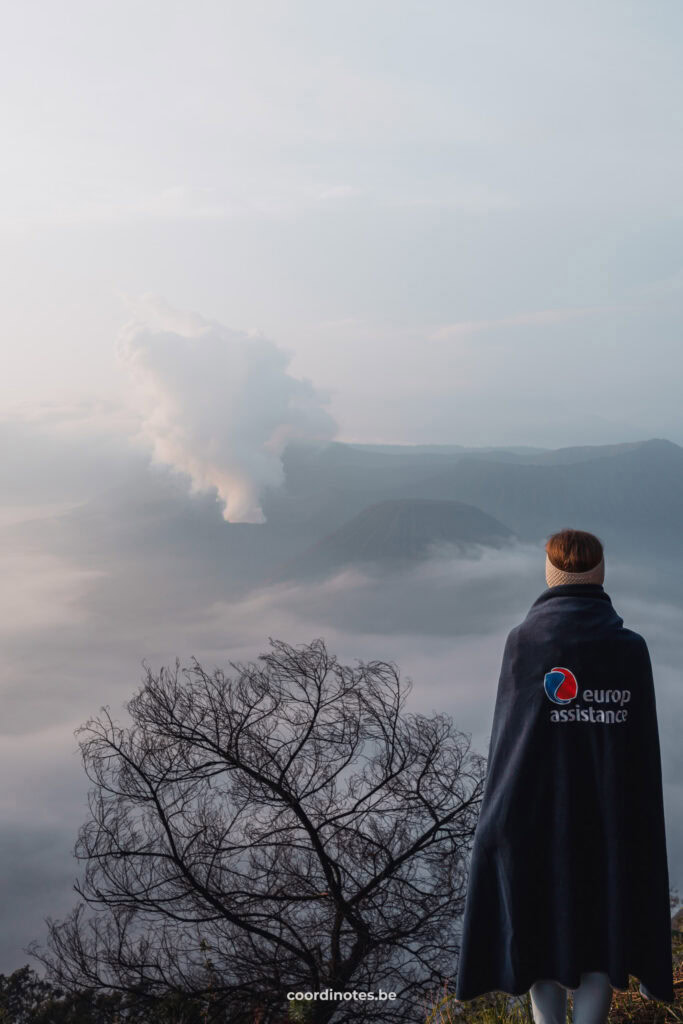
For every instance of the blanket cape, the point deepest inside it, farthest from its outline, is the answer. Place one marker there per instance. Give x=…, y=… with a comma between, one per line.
x=569, y=867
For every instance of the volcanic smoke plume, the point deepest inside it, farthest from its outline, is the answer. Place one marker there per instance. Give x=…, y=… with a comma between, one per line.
x=218, y=404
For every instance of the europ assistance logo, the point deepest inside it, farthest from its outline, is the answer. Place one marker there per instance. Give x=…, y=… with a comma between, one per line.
x=561, y=687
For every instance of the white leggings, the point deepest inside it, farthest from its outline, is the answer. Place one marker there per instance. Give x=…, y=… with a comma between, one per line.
x=592, y=1000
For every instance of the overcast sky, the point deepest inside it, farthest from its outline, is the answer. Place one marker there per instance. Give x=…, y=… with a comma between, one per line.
x=463, y=221
x=227, y=224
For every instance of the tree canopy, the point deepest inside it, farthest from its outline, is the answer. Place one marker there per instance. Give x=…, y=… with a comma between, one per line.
x=289, y=828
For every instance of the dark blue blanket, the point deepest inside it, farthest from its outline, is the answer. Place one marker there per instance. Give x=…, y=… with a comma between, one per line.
x=569, y=867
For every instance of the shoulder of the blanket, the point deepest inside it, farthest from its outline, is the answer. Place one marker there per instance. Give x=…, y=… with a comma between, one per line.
x=527, y=630
x=515, y=634
x=636, y=641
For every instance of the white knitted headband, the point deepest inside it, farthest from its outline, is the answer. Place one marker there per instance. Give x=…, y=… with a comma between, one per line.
x=555, y=577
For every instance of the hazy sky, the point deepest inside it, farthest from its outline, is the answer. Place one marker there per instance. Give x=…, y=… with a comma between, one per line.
x=224, y=225
x=462, y=221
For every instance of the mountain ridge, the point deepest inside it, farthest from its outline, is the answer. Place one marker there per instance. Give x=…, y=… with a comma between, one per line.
x=394, y=533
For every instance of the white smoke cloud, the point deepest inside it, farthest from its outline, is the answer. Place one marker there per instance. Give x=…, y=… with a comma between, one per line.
x=218, y=404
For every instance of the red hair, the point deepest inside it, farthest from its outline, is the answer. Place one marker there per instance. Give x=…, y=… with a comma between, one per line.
x=574, y=550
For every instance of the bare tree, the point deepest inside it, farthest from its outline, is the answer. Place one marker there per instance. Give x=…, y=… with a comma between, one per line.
x=290, y=829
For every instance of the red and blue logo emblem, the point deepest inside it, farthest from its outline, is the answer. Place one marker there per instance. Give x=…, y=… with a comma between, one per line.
x=560, y=685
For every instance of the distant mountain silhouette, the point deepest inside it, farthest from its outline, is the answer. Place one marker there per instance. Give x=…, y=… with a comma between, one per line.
x=630, y=494
x=326, y=483
x=343, y=504
x=394, y=533
x=584, y=453
x=633, y=491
